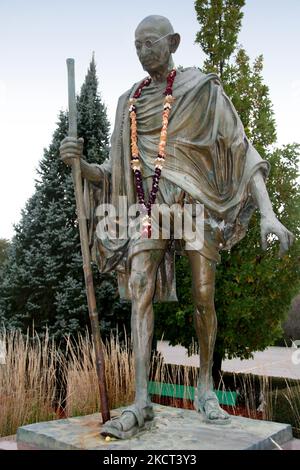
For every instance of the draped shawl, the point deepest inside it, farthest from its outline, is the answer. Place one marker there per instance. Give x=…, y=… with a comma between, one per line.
x=208, y=156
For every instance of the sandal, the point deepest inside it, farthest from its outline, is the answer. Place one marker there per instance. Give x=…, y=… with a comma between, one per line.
x=208, y=405
x=141, y=416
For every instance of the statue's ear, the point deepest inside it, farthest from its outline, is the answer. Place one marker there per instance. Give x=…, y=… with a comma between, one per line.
x=174, y=42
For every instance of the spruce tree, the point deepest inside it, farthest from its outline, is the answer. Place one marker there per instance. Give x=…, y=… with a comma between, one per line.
x=44, y=280
x=93, y=124
x=4, y=246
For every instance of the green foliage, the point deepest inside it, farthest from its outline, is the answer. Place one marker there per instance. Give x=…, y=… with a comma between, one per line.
x=4, y=246
x=44, y=280
x=253, y=288
x=4, y=254
x=174, y=321
x=93, y=124
x=243, y=83
x=291, y=327
x=220, y=22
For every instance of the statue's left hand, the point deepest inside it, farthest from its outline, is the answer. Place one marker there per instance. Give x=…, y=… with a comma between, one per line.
x=270, y=224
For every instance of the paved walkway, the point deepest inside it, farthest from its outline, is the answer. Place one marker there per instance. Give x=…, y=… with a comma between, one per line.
x=274, y=361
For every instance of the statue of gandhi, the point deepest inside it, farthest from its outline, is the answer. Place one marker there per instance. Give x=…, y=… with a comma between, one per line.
x=209, y=161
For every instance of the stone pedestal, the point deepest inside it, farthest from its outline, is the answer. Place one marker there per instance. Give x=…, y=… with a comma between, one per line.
x=171, y=429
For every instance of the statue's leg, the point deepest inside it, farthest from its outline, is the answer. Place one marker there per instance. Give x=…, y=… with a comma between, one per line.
x=144, y=266
x=205, y=321
x=142, y=279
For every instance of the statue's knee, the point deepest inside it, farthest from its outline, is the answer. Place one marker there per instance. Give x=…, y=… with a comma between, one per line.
x=204, y=298
x=140, y=286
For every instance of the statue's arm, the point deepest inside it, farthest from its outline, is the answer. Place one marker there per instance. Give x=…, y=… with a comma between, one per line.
x=269, y=222
x=90, y=172
x=260, y=195
x=72, y=148
x=94, y=172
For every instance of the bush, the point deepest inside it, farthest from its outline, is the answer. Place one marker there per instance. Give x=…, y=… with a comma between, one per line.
x=291, y=326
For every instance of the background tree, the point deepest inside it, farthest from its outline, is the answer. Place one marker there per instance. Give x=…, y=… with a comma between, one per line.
x=44, y=280
x=4, y=245
x=253, y=288
x=4, y=248
x=220, y=25
x=291, y=326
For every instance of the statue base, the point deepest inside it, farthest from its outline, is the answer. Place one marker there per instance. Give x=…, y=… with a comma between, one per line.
x=171, y=429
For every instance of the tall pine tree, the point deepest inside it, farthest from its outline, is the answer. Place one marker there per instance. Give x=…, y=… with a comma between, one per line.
x=44, y=280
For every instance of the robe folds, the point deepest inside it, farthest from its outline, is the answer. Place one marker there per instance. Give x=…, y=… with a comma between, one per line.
x=208, y=157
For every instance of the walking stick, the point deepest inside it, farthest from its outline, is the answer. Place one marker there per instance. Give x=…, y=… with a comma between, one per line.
x=85, y=250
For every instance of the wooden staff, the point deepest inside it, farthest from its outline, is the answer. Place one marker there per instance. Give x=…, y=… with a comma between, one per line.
x=85, y=250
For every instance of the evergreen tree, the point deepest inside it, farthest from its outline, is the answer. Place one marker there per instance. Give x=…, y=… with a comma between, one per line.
x=92, y=118
x=253, y=288
x=44, y=281
x=34, y=269
x=4, y=250
x=4, y=246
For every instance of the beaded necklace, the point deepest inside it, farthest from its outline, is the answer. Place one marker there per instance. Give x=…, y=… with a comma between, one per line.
x=159, y=161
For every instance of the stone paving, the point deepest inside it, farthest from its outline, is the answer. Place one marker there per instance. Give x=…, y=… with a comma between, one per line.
x=274, y=361
x=8, y=443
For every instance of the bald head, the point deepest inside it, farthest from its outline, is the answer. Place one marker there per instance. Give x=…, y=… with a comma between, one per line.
x=155, y=42
x=157, y=23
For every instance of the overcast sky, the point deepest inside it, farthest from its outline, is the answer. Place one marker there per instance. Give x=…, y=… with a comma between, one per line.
x=36, y=37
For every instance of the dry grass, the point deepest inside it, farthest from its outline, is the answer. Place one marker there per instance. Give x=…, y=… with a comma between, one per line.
x=247, y=390
x=81, y=378
x=286, y=406
x=30, y=390
x=293, y=398
x=29, y=387
x=27, y=381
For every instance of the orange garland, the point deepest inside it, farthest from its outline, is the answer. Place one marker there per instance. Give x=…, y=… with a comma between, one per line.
x=135, y=155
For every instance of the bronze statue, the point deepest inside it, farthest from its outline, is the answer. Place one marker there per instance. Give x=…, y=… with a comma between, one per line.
x=181, y=142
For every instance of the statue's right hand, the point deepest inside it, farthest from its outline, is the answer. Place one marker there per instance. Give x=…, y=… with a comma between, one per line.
x=71, y=148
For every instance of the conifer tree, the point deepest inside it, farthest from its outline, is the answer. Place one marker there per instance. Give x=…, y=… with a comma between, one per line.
x=4, y=246
x=44, y=280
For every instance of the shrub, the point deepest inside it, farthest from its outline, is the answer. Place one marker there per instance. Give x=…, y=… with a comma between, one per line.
x=291, y=326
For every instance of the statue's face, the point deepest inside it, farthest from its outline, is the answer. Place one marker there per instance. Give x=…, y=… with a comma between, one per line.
x=158, y=54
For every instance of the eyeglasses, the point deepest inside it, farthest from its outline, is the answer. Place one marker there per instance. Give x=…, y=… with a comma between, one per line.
x=148, y=43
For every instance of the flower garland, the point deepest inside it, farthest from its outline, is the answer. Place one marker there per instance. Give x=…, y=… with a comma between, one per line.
x=159, y=161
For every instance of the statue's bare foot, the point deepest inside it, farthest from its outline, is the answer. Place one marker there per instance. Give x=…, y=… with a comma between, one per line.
x=131, y=421
x=208, y=405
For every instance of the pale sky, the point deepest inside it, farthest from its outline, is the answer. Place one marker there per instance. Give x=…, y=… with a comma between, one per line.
x=36, y=37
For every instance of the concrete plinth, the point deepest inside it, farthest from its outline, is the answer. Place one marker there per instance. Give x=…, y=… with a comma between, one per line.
x=172, y=429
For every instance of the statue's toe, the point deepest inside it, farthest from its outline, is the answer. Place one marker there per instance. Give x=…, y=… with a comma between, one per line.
x=209, y=407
